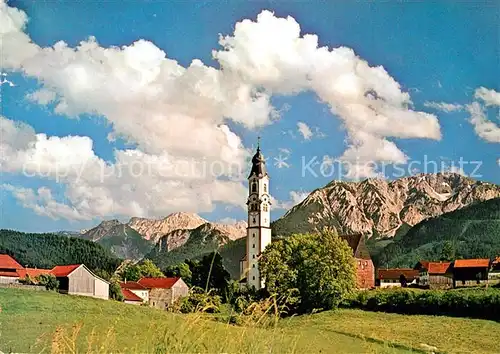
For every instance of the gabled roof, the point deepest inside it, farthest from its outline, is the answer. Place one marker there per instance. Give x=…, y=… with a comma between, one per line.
x=158, y=283
x=472, y=263
x=130, y=296
x=32, y=272
x=65, y=270
x=395, y=274
x=437, y=267
x=132, y=285
x=358, y=246
x=7, y=262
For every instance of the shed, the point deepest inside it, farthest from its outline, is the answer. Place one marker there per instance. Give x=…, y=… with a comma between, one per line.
x=470, y=272
x=77, y=279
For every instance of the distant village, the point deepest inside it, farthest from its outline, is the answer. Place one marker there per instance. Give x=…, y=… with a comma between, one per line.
x=77, y=279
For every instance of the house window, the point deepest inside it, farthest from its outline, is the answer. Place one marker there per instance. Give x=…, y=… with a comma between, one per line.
x=254, y=187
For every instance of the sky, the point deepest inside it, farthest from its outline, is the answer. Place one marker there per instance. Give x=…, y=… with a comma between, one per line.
x=144, y=108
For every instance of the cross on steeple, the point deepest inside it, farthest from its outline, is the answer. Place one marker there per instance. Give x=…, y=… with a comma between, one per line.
x=258, y=143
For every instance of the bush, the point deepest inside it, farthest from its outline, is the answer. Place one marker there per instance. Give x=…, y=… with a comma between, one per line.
x=198, y=301
x=475, y=303
x=49, y=281
x=115, y=291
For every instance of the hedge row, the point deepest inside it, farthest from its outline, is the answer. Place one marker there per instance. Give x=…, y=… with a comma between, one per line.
x=475, y=303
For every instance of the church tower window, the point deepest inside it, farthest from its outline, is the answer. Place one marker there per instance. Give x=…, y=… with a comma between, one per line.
x=254, y=187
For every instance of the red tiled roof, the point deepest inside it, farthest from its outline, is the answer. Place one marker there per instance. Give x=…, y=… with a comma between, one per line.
x=161, y=283
x=132, y=285
x=65, y=270
x=32, y=272
x=130, y=296
x=13, y=274
x=437, y=267
x=471, y=263
x=395, y=273
x=7, y=262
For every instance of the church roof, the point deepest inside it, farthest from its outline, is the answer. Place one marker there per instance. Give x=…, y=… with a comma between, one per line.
x=358, y=246
x=258, y=165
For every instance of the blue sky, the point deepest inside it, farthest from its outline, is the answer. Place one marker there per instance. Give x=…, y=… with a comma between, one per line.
x=439, y=52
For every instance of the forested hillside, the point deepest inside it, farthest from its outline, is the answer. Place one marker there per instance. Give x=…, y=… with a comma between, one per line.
x=471, y=232
x=48, y=250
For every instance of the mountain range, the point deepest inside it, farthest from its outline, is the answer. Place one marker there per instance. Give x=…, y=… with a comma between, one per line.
x=379, y=209
x=138, y=237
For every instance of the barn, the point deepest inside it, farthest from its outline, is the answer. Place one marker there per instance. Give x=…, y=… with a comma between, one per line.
x=434, y=275
x=9, y=269
x=77, y=279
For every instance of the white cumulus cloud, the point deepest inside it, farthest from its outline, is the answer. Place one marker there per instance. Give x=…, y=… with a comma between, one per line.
x=180, y=114
x=443, y=106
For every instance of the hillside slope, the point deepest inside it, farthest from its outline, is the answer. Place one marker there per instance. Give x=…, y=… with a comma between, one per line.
x=40, y=321
x=48, y=250
x=123, y=241
x=381, y=208
x=471, y=232
x=194, y=243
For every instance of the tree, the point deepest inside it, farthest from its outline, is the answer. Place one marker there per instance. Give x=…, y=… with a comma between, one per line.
x=180, y=270
x=115, y=291
x=149, y=270
x=448, y=251
x=403, y=281
x=210, y=273
x=316, y=271
x=132, y=272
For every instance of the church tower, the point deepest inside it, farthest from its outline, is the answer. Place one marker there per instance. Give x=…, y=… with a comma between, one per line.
x=259, y=219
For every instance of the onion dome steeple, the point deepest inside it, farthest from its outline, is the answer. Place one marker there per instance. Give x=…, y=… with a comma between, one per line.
x=258, y=163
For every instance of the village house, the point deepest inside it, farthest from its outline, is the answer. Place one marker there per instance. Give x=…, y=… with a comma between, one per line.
x=163, y=292
x=434, y=275
x=396, y=277
x=130, y=298
x=494, y=273
x=365, y=271
x=136, y=289
x=77, y=279
x=470, y=272
x=9, y=269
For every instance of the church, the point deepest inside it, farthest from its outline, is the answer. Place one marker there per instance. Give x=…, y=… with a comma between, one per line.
x=259, y=232
x=259, y=221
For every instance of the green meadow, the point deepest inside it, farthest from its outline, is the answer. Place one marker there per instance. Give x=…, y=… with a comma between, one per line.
x=47, y=322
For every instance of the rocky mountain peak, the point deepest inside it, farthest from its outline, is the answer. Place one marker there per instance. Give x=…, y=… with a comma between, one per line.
x=380, y=207
x=153, y=229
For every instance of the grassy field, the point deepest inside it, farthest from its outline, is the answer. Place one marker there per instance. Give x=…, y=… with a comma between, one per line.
x=48, y=322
